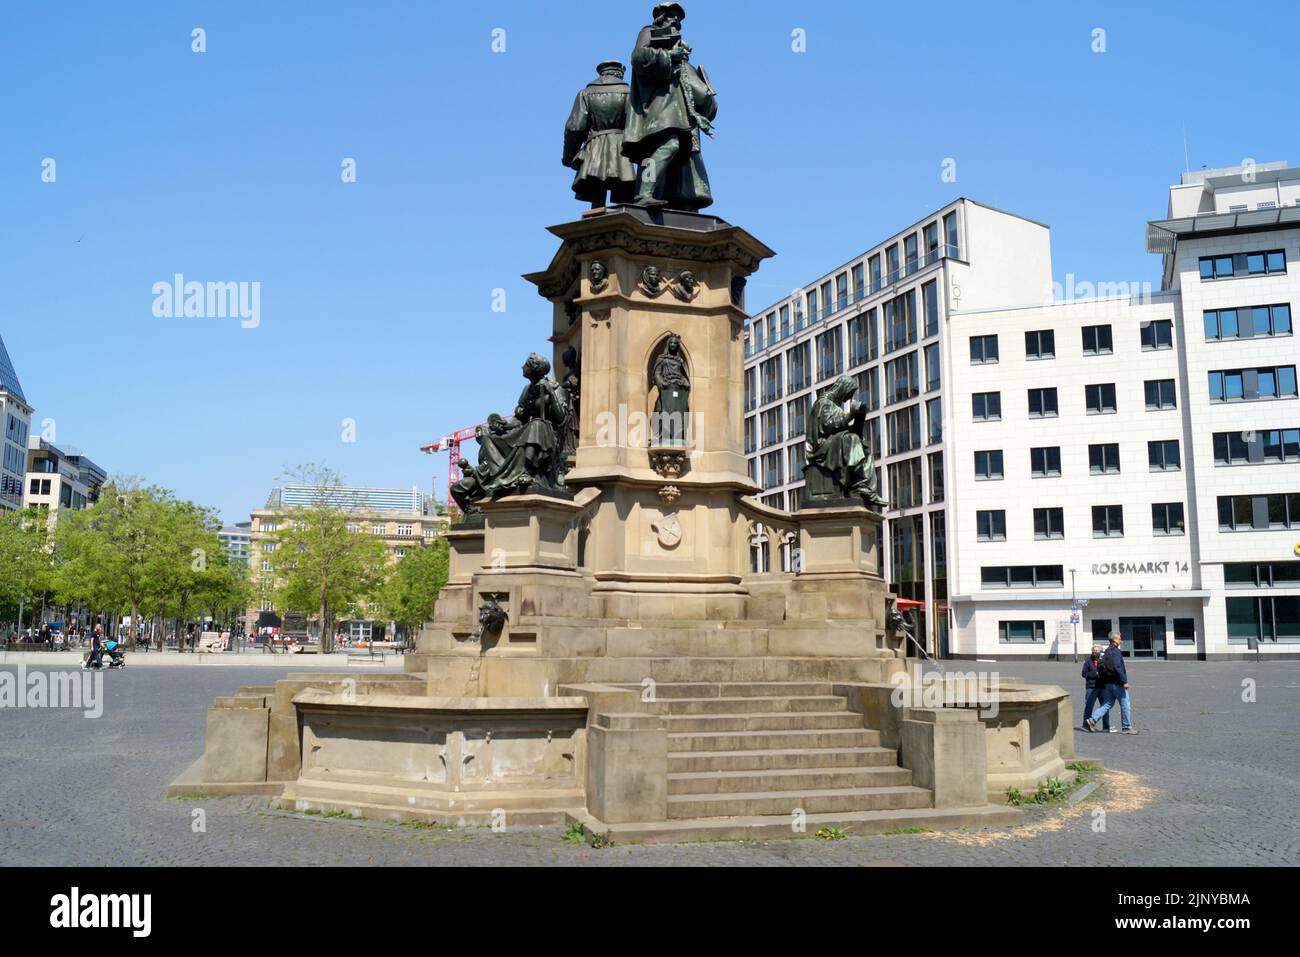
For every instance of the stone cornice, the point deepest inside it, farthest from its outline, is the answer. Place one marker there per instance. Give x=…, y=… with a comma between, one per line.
x=669, y=235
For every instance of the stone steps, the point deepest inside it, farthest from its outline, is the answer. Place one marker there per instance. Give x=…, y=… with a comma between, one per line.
x=786, y=779
x=734, y=670
x=759, y=827
x=687, y=762
x=738, y=705
x=765, y=721
x=809, y=801
x=679, y=690
x=764, y=749
x=772, y=740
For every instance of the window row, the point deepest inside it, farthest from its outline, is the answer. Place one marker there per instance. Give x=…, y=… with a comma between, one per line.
x=1246, y=512
x=1103, y=459
x=1261, y=574
x=1264, y=382
x=1255, y=448
x=1266, y=618
x=1167, y=518
x=1022, y=576
x=1247, y=322
x=1097, y=340
x=825, y=300
x=1098, y=400
x=1231, y=266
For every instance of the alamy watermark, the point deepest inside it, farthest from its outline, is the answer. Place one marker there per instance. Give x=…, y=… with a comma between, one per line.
x=1138, y=293
x=181, y=299
x=952, y=689
x=74, y=690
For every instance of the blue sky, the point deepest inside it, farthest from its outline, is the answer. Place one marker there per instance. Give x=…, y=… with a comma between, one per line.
x=376, y=296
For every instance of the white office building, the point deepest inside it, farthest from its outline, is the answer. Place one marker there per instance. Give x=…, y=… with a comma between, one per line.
x=57, y=480
x=1135, y=453
x=883, y=318
x=236, y=540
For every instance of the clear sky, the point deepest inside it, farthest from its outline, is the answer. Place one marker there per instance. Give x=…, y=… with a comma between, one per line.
x=376, y=296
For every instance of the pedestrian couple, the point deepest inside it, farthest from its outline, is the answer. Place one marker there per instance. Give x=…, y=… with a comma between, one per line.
x=1106, y=680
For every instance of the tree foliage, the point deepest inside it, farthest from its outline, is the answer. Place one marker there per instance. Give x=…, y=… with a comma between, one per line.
x=322, y=562
x=408, y=596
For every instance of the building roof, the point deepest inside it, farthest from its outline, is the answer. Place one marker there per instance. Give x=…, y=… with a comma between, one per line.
x=351, y=498
x=8, y=376
x=1162, y=233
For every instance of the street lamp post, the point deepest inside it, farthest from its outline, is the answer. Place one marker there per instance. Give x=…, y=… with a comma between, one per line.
x=1074, y=616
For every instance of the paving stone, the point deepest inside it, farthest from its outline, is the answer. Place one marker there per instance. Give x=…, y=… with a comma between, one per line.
x=1224, y=780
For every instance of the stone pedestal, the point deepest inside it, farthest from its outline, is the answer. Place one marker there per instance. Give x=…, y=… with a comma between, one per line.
x=666, y=540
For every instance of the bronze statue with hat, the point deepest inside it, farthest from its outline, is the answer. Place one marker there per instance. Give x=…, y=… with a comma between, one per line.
x=593, y=139
x=672, y=103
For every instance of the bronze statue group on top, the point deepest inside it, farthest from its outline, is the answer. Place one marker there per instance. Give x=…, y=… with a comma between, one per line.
x=655, y=122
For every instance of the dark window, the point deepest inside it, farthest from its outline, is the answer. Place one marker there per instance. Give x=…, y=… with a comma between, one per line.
x=1099, y=399
x=1021, y=576
x=1040, y=344
x=830, y=356
x=800, y=367
x=1261, y=575
x=1184, y=631
x=902, y=378
x=1097, y=340
x=900, y=321
x=1020, y=631
x=1257, y=448
x=1167, y=518
x=1045, y=461
x=1243, y=512
x=1160, y=394
x=983, y=349
x=1266, y=618
x=1042, y=403
x=1162, y=455
x=1243, y=264
x=930, y=303
x=991, y=525
x=1264, y=382
x=987, y=405
x=1103, y=459
x=1158, y=334
x=1107, y=521
x=1049, y=523
x=988, y=465
x=1246, y=322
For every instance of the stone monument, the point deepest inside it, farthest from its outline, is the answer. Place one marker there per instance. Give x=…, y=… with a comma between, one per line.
x=603, y=650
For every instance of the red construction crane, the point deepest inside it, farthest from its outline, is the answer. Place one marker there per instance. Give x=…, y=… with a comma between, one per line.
x=451, y=443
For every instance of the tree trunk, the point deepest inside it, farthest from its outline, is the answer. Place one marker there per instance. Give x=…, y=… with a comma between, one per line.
x=326, y=628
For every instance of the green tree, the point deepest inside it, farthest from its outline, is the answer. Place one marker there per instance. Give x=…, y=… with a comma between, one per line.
x=26, y=558
x=321, y=560
x=185, y=563
x=108, y=552
x=412, y=586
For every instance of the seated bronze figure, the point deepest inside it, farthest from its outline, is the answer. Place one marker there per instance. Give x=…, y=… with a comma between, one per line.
x=839, y=465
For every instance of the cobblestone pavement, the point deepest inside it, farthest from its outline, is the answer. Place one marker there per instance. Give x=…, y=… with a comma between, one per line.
x=1211, y=780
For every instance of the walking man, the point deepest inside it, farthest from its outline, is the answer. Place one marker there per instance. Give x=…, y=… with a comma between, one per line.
x=1115, y=677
